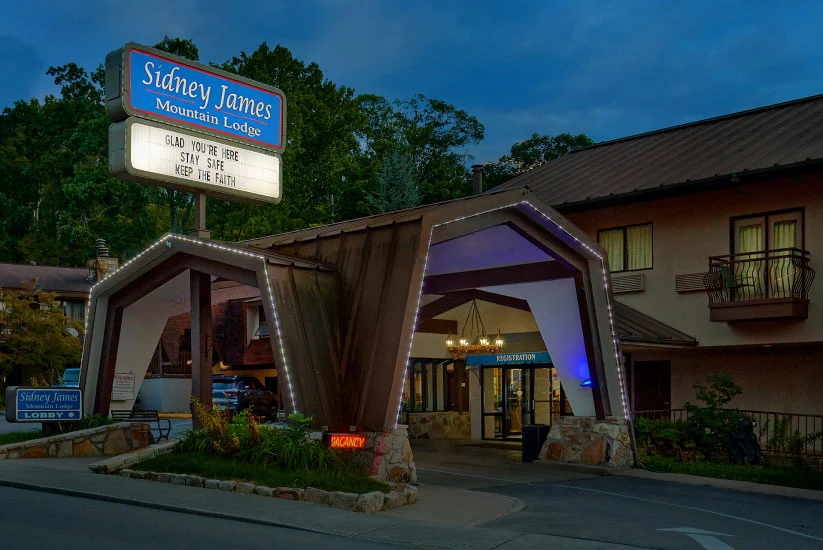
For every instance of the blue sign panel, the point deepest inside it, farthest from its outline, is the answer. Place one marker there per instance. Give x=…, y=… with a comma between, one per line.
x=509, y=358
x=167, y=89
x=45, y=404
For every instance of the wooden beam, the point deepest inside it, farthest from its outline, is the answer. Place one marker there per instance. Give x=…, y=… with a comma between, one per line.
x=495, y=276
x=437, y=326
x=201, y=339
x=452, y=300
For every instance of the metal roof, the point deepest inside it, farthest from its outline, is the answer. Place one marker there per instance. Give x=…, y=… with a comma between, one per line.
x=633, y=327
x=777, y=136
x=54, y=279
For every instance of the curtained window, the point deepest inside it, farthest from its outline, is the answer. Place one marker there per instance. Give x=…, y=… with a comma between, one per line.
x=629, y=248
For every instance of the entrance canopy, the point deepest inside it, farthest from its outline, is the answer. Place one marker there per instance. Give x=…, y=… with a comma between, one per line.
x=346, y=299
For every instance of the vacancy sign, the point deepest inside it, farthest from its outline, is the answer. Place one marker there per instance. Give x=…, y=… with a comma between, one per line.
x=162, y=155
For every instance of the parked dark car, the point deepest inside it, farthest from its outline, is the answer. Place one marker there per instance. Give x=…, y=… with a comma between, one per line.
x=69, y=379
x=238, y=393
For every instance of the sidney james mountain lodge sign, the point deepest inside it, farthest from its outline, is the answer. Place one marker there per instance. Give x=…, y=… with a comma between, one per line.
x=190, y=126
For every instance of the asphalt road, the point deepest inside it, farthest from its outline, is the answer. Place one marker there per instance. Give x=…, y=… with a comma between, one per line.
x=35, y=520
x=646, y=513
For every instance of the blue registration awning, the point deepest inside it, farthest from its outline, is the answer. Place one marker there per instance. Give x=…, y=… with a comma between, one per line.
x=520, y=358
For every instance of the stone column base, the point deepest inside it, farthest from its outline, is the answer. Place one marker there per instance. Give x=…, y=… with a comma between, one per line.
x=586, y=440
x=388, y=456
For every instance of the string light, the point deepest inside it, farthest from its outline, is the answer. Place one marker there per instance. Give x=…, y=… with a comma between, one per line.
x=590, y=250
x=167, y=240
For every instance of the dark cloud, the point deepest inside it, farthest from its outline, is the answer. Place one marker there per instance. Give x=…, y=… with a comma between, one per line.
x=20, y=70
x=606, y=68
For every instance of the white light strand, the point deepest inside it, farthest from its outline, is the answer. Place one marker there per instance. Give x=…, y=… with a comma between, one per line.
x=593, y=252
x=615, y=343
x=208, y=244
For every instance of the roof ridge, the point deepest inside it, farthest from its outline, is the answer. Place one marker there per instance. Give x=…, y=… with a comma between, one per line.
x=693, y=123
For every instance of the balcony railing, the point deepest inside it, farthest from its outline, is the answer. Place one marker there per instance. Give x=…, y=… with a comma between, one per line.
x=773, y=284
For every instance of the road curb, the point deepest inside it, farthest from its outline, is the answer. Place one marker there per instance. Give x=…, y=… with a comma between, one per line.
x=518, y=506
x=160, y=506
x=734, y=484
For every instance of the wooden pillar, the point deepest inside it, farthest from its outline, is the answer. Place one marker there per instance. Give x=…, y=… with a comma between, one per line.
x=201, y=339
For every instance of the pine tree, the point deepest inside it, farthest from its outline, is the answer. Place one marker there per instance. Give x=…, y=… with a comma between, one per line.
x=396, y=185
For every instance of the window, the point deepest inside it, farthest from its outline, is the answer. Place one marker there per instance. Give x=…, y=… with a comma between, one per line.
x=430, y=386
x=772, y=231
x=629, y=248
x=74, y=309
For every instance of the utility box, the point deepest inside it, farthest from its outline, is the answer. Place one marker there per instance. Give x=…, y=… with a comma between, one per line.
x=534, y=435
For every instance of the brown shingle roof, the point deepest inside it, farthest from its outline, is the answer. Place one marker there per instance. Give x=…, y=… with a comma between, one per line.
x=783, y=135
x=55, y=279
x=635, y=327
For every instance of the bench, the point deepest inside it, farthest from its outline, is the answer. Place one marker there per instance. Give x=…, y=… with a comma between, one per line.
x=145, y=416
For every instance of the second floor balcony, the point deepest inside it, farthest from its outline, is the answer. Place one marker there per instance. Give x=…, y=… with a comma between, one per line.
x=772, y=284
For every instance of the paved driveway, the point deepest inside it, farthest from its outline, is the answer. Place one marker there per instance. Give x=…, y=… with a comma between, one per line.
x=637, y=512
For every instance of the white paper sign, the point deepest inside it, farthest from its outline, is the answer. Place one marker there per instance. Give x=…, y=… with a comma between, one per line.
x=123, y=387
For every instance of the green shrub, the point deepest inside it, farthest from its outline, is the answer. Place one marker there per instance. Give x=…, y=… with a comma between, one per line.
x=786, y=441
x=92, y=421
x=711, y=424
x=243, y=438
x=665, y=438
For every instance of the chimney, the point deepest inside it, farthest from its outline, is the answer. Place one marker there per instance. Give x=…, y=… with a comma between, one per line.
x=477, y=172
x=102, y=249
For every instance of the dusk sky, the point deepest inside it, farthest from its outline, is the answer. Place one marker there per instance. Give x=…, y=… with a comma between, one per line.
x=607, y=69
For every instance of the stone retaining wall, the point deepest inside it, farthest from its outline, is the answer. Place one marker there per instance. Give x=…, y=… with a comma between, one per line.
x=109, y=440
x=586, y=440
x=440, y=425
x=367, y=503
x=388, y=456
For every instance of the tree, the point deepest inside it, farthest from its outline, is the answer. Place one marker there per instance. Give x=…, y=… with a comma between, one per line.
x=434, y=135
x=529, y=154
x=36, y=338
x=396, y=186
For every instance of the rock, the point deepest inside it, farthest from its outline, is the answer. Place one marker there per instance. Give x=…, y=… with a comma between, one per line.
x=399, y=474
x=178, y=479
x=163, y=478
x=339, y=499
x=64, y=449
x=289, y=493
x=412, y=473
x=264, y=491
x=116, y=444
x=411, y=494
x=14, y=454
x=394, y=499
x=408, y=456
x=317, y=496
x=38, y=451
x=227, y=485
x=245, y=488
x=211, y=484
x=137, y=474
x=84, y=448
x=369, y=503
x=151, y=476
x=125, y=472
x=195, y=481
x=594, y=453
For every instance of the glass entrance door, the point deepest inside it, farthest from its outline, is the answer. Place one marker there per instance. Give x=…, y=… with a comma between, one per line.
x=513, y=397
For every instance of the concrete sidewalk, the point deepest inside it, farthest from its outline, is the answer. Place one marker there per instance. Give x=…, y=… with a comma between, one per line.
x=455, y=511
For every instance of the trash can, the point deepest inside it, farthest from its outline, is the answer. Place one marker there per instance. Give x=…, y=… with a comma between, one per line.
x=534, y=435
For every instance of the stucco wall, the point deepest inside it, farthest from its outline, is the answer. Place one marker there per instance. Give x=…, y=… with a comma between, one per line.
x=779, y=379
x=690, y=228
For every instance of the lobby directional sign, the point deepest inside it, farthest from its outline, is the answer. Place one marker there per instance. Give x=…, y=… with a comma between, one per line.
x=159, y=154
x=149, y=83
x=43, y=404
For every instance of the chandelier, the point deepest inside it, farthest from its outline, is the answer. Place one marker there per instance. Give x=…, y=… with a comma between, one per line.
x=473, y=339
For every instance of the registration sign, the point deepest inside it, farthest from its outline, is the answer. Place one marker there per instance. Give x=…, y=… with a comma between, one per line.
x=149, y=83
x=43, y=404
x=518, y=358
x=155, y=153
